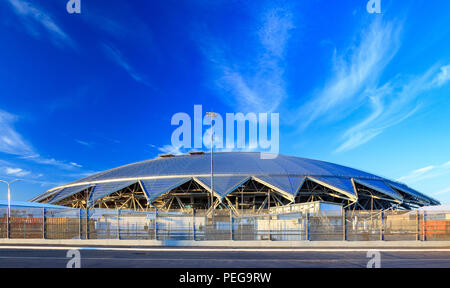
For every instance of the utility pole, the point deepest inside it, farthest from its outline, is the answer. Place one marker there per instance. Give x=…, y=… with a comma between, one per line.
x=9, y=203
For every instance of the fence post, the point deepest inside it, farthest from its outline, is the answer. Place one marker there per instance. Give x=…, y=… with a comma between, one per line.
x=25, y=226
x=344, y=225
x=118, y=224
x=87, y=223
x=307, y=226
x=44, y=231
x=8, y=224
x=417, y=226
x=424, y=237
x=381, y=226
x=156, y=225
x=231, y=226
x=193, y=224
x=80, y=223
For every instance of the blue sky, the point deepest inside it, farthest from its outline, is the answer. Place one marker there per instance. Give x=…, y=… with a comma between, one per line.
x=81, y=93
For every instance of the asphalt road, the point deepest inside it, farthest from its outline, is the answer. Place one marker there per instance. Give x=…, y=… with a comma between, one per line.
x=219, y=258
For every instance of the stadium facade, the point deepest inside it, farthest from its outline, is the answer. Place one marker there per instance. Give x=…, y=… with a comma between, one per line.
x=241, y=182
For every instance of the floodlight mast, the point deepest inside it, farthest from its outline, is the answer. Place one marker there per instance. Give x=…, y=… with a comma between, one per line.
x=9, y=200
x=212, y=115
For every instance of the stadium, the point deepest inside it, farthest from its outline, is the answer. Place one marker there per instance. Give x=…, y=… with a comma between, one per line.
x=241, y=181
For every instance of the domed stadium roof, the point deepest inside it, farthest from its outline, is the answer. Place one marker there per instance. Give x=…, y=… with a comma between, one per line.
x=285, y=174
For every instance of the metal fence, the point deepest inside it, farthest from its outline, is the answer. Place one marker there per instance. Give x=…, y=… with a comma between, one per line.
x=125, y=224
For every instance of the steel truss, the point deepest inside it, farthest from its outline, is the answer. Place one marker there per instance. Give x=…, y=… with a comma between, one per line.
x=250, y=197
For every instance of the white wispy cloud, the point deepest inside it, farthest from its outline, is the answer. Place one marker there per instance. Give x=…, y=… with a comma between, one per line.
x=391, y=104
x=82, y=174
x=256, y=84
x=443, y=77
x=106, y=24
x=37, y=158
x=442, y=191
x=355, y=86
x=84, y=143
x=75, y=164
x=425, y=173
x=30, y=14
x=117, y=57
x=12, y=142
x=18, y=172
x=354, y=73
x=171, y=149
x=9, y=169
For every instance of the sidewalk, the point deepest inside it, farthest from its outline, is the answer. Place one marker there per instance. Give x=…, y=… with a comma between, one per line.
x=231, y=244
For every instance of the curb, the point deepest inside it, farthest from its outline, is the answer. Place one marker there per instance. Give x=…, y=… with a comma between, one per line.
x=231, y=244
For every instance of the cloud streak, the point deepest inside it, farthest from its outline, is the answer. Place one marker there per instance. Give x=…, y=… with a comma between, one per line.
x=355, y=86
x=11, y=142
x=354, y=74
x=171, y=149
x=84, y=143
x=443, y=191
x=30, y=14
x=257, y=83
x=392, y=104
x=443, y=77
x=116, y=56
x=425, y=173
x=18, y=172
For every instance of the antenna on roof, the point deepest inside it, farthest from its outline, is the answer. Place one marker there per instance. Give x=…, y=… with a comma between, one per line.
x=196, y=152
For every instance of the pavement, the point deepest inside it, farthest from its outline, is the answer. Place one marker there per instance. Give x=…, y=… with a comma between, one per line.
x=227, y=243
x=15, y=256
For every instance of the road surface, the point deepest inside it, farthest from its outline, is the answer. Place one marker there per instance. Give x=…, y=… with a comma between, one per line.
x=160, y=257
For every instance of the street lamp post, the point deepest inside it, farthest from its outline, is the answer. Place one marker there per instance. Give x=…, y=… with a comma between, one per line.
x=212, y=115
x=9, y=202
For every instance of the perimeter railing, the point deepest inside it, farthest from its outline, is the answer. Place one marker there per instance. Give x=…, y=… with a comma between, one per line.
x=34, y=223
